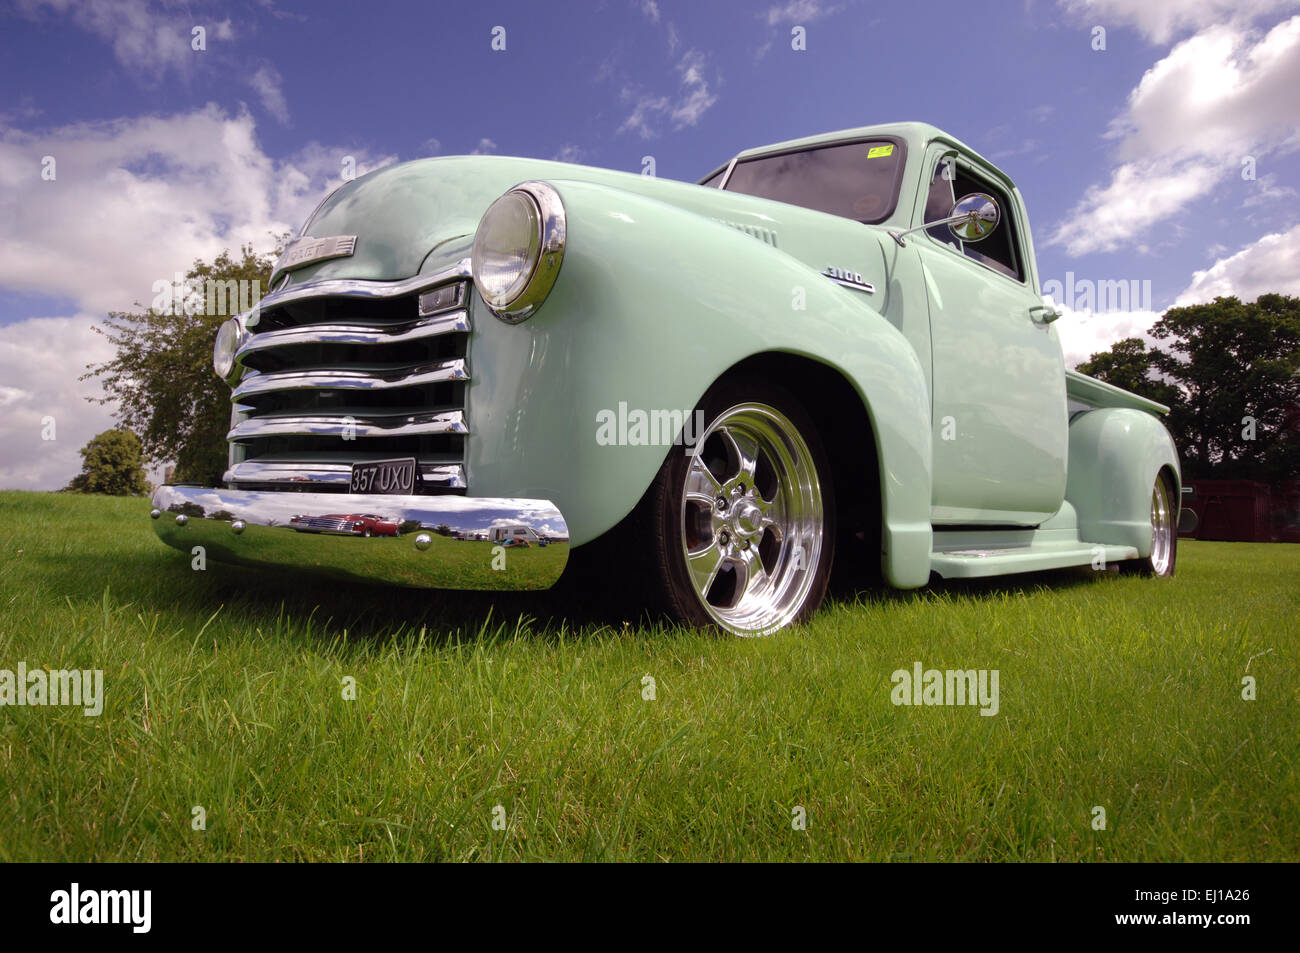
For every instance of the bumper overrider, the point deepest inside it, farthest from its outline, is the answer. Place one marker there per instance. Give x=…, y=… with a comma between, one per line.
x=442, y=542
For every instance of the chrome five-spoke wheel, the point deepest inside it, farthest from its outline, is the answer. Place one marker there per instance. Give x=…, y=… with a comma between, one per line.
x=752, y=519
x=742, y=515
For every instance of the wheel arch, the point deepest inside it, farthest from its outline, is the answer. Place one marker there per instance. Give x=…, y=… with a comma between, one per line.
x=871, y=499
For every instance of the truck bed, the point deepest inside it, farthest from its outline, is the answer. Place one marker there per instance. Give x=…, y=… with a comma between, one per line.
x=1095, y=393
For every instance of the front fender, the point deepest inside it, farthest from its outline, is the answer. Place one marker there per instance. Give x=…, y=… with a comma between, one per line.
x=652, y=305
x=1115, y=455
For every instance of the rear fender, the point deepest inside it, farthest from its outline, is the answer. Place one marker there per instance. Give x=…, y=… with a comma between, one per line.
x=1115, y=456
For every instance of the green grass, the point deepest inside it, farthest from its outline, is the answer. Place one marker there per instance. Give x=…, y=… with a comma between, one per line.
x=223, y=689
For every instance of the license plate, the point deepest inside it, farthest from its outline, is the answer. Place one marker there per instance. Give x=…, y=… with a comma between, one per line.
x=384, y=476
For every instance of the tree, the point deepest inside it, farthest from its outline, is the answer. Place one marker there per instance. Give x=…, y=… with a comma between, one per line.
x=161, y=378
x=1128, y=364
x=111, y=464
x=1238, y=368
x=1230, y=373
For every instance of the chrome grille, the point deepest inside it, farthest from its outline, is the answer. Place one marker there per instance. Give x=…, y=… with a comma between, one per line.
x=341, y=372
x=322, y=524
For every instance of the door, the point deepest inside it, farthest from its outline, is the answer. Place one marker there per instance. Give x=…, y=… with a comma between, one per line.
x=998, y=395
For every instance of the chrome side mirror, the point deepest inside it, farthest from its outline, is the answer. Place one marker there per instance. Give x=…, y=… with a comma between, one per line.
x=974, y=217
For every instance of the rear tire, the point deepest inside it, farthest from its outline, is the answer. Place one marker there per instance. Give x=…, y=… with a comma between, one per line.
x=742, y=523
x=1164, y=533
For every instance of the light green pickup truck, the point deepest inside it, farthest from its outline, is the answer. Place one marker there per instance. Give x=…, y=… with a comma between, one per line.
x=831, y=351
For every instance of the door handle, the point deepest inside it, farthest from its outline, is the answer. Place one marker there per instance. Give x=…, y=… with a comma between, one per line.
x=1043, y=314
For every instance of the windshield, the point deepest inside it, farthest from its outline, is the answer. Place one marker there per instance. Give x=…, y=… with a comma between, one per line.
x=857, y=180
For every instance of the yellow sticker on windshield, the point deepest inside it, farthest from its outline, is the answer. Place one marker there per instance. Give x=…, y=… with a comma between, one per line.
x=877, y=152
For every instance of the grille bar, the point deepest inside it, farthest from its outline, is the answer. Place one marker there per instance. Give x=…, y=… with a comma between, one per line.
x=349, y=427
x=355, y=333
x=334, y=379
x=364, y=289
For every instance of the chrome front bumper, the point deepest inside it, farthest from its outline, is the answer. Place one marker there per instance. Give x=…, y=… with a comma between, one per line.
x=255, y=528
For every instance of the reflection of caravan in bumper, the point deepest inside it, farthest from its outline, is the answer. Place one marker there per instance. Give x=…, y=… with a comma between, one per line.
x=256, y=528
x=513, y=531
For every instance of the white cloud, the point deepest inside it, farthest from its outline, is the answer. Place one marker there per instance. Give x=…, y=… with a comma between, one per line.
x=692, y=100
x=1271, y=264
x=40, y=361
x=1139, y=194
x=1217, y=97
x=646, y=106
x=794, y=13
x=136, y=199
x=797, y=11
x=144, y=37
x=1084, y=333
x=568, y=153
x=1268, y=194
x=695, y=98
x=485, y=147
x=266, y=82
x=1224, y=88
x=650, y=9
x=1161, y=20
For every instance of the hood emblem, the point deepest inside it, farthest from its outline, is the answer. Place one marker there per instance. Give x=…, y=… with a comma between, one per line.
x=306, y=250
x=850, y=279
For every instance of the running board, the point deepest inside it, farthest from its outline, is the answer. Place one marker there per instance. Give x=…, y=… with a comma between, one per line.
x=975, y=562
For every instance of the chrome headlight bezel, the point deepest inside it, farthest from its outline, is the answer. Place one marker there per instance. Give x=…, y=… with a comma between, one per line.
x=519, y=301
x=230, y=338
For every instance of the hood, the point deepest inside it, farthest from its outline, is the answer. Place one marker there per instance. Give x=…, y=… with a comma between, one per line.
x=419, y=217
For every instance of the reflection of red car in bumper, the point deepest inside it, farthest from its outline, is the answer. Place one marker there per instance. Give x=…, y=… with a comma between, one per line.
x=350, y=524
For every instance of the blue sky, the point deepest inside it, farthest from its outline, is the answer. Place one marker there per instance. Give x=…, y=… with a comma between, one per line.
x=1129, y=157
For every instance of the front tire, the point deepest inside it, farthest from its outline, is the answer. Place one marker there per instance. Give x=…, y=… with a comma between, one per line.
x=743, y=521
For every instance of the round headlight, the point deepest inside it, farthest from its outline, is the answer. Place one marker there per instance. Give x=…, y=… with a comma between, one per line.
x=518, y=249
x=223, y=351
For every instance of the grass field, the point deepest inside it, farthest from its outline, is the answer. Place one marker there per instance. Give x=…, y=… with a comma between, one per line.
x=224, y=690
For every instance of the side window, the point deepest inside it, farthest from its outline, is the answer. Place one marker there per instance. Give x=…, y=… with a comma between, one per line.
x=998, y=250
